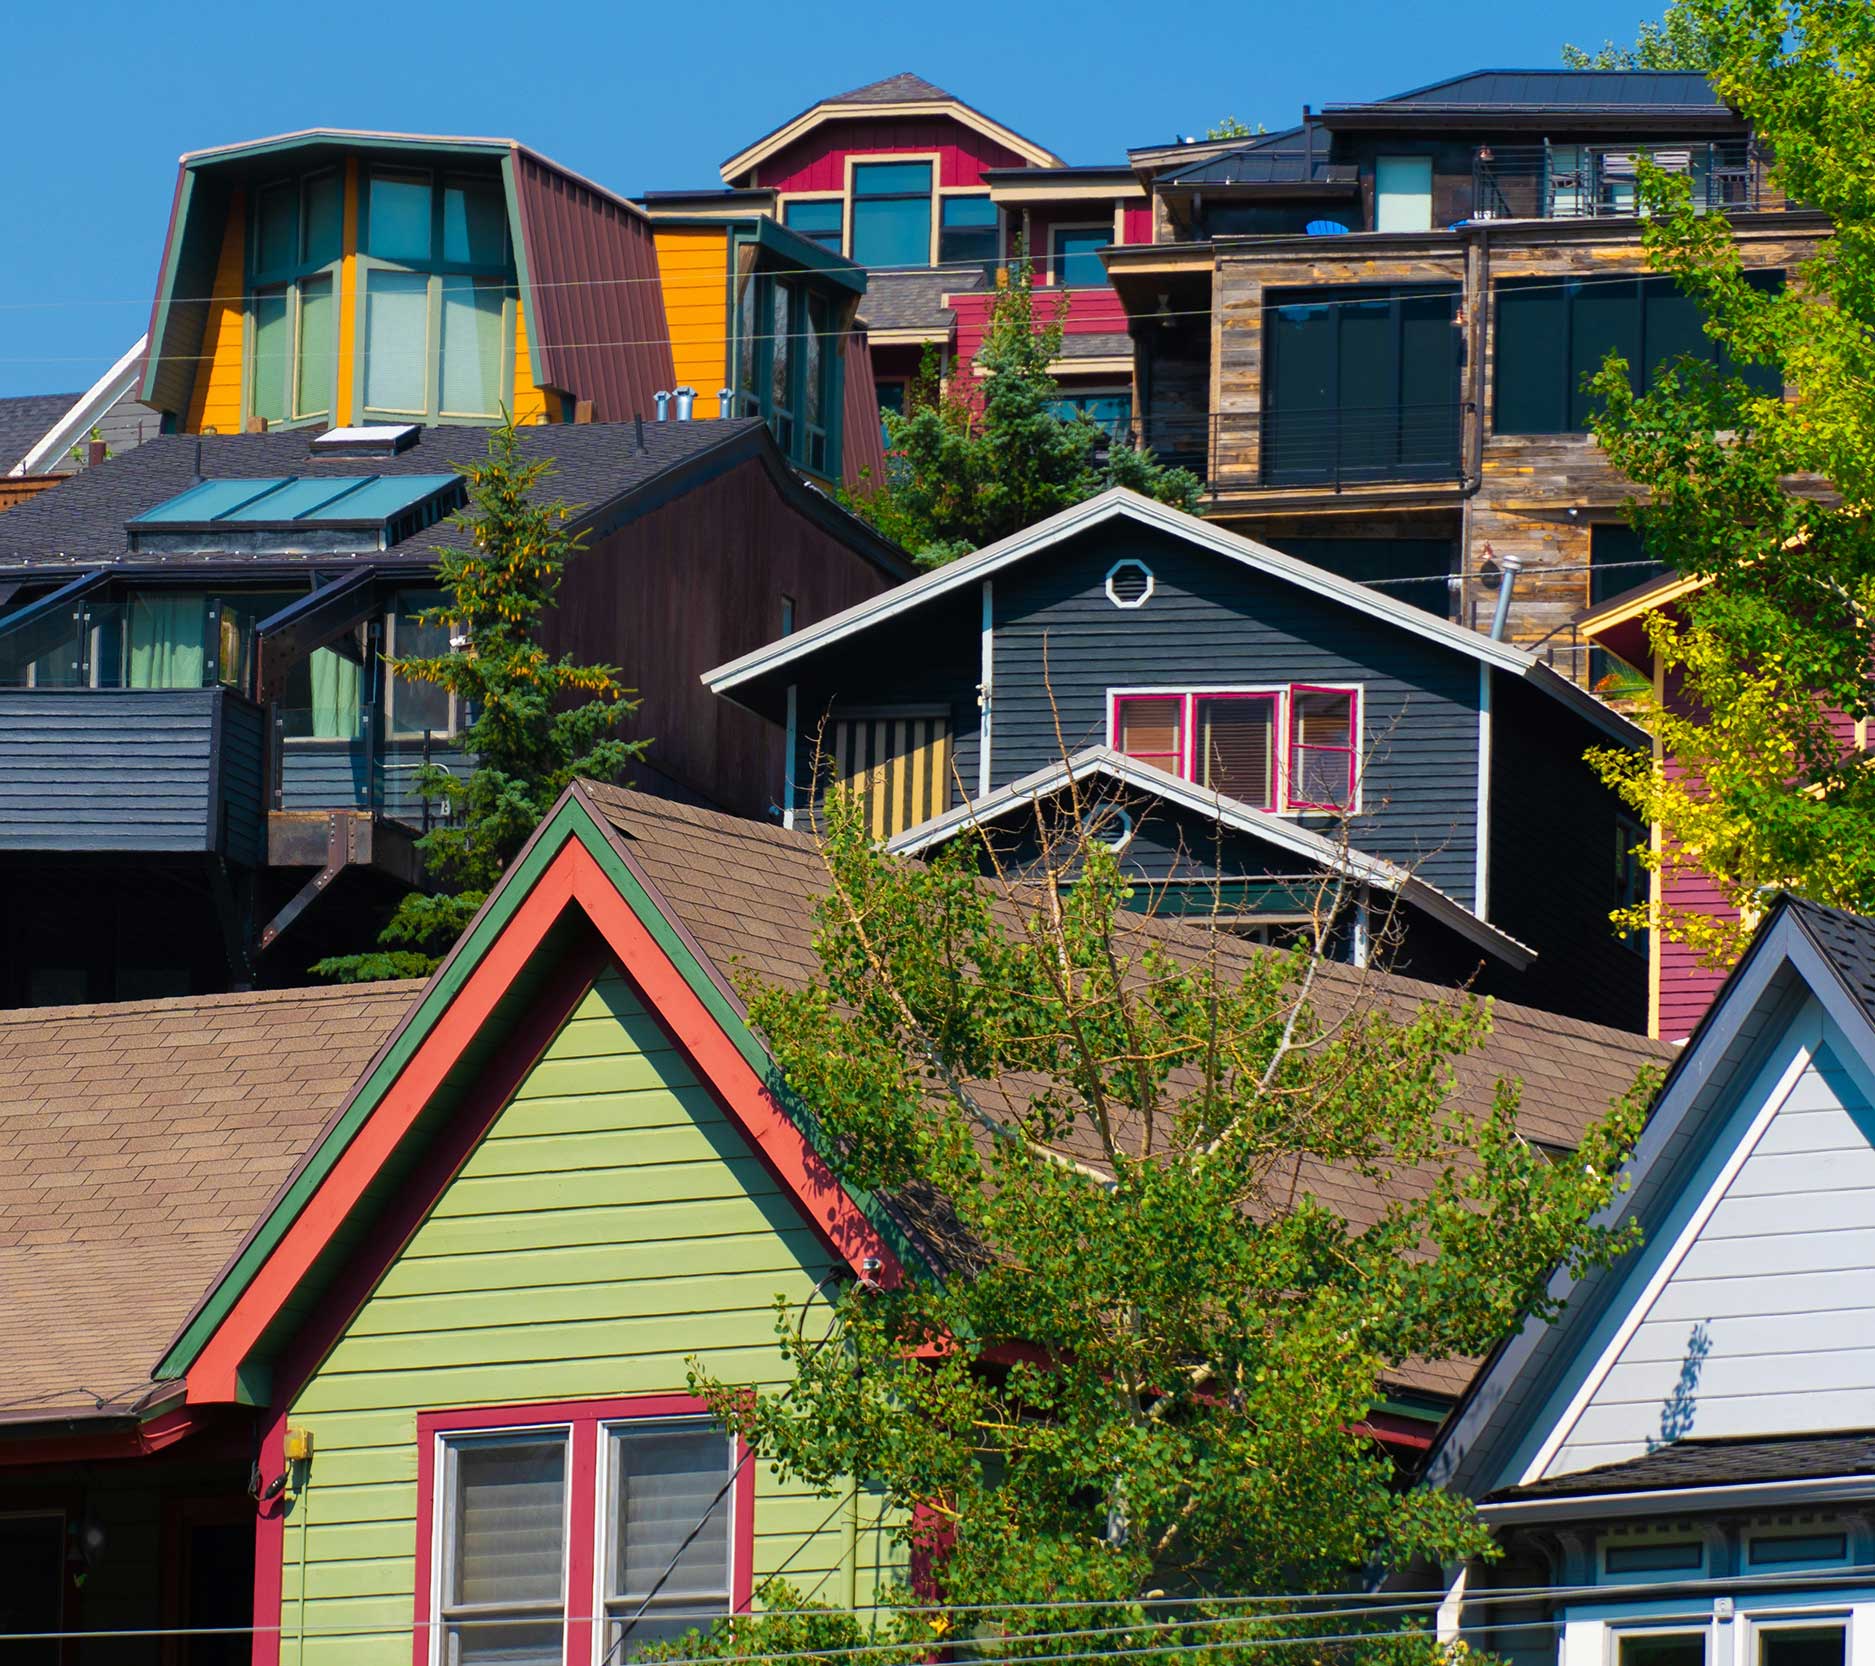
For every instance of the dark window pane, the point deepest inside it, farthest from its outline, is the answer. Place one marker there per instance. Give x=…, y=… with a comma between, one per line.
x=821, y=221
x=1773, y=1550
x=1653, y=1648
x=891, y=179
x=1605, y=317
x=893, y=232
x=1656, y=1557
x=1429, y=372
x=418, y=706
x=967, y=231
x=1532, y=359
x=32, y=1592
x=276, y=234
x=324, y=215
x=1821, y=1645
x=1671, y=326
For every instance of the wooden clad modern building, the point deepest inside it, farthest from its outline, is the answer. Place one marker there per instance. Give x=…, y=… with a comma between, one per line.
x=1281, y=699
x=429, y=1275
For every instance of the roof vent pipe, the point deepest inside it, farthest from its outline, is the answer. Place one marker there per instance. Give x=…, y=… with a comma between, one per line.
x=686, y=398
x=664, y=405
x=726, y=402
x=1510, y=566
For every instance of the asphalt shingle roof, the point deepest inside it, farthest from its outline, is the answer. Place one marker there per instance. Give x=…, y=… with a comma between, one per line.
x=138, y=1142
x=914, y=300
x=1847, y=942
x=82, y=523
x=24, y=420
x=902, y=88
x=1711, y=1463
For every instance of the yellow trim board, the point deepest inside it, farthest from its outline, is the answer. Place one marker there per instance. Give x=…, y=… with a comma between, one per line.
x=1651, y=601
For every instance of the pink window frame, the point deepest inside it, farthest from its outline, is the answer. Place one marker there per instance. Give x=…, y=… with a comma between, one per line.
x=1279, y=735
x=584, y=1422
x=1182, y=765
x=1291, y=747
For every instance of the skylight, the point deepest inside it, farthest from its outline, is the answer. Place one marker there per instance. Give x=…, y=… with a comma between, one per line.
x=284, y=513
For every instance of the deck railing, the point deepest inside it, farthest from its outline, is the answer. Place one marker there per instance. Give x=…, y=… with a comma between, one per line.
x=1339, y=448
x=1572, y=182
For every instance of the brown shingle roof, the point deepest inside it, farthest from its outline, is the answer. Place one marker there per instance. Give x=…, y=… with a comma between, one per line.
x=746, y=892
x=138, y=1142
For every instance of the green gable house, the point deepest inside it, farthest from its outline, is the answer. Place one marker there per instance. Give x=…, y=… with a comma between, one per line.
x=352, y=1325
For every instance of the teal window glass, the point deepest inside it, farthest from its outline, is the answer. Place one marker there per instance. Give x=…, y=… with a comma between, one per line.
x=1780, y=1549
x=967, y=232
x=475, y=224
x=323, y=213
x=397, y=308
x=472, y=312
x=273, y=354
x=824, y=222
x=318, y=349
x=1077, y=257
x=1403, y=193
x=1663, y=1556
x=1111, y=411
x=892, y=213
x=276, y=229
x=398, y=216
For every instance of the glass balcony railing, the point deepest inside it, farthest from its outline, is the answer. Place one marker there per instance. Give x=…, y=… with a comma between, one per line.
x=336, y=756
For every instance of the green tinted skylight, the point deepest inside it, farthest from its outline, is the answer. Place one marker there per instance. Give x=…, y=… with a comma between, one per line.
x=298, y=500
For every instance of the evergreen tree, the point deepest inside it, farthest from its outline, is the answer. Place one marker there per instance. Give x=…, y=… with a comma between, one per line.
x=990, y=455
x=536, y=722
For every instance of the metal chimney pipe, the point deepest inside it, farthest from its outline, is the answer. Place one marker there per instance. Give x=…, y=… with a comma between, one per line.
x=1510, y=566
x=664, y=405
x=725, y=402
x=686, y=402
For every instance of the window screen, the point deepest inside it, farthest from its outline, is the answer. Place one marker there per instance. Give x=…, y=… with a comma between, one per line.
x=665, y=1481
x=504, y=1584
x=1151, y=729
x=1321, y=749
x=1237, y=748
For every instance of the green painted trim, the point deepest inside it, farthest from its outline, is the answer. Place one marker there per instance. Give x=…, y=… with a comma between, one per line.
x=166, y=288
x=337, y=138
x=517, y=239
x=253, y=1384
x=570, y=820
x=1435, y=1415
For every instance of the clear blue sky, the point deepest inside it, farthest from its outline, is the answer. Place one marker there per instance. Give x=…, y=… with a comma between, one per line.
x=100, y=99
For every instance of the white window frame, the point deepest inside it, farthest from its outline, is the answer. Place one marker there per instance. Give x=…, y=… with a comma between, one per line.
x=605, y=1524
x=1152, y=583
x=1191, y=693
x=1751, y=1623
x=442, y=1511
x=1614, y=1631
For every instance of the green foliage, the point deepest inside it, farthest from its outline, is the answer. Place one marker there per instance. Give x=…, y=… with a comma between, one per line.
x=1678, y=41
x=988, y=456
x=789, y=1627
x=527, y=736
x=1231, y=128
x=1766, y=498
x=1149, y=1365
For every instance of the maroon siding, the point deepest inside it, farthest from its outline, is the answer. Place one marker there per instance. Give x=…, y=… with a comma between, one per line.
x=817, y=160
x=595, y=312
x=862, y=446
x=1139, y=223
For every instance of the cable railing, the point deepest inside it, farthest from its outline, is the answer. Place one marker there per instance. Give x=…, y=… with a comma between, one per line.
x=1350, y=445
x=1574, y=181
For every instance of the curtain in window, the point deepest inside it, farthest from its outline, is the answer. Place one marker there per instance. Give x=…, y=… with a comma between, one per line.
x=335, y=681
x=168, y=641
x=1151, y=730
x=317, y=371
x=273, y=354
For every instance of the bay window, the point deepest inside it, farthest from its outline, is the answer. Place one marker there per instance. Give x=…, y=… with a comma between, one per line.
x=1293, y=748
x=526, y=1499
x=438, y=276
x=786, y=360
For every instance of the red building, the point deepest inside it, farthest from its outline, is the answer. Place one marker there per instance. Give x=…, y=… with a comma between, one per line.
x=932, y=196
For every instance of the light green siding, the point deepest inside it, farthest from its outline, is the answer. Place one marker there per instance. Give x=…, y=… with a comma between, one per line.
x=611, y=1226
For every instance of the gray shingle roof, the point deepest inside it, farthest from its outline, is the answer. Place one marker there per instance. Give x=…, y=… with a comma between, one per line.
x=1711, y=1463
x=913, y=300
x=1847, y=942
x=24, y=420
x=82, y=523
x=1114, y=345
x=902, y=88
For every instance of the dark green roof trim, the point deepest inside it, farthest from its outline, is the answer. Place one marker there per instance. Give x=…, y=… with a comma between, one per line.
x=517, y=240
x=316, y=137
x=772, y=236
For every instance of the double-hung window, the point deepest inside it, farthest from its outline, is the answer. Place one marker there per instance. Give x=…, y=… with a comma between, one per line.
x=586, y=1533
x=294, y=247
x=438, y=274
x=1290, y=748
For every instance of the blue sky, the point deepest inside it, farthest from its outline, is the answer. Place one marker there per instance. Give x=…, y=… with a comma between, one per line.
x=102, y=98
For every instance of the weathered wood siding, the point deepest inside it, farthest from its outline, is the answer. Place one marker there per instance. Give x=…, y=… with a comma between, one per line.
x=610, y=1226
x=128, y=770
x=1778, y=1269
x=1061, y=645
x=1553, y=862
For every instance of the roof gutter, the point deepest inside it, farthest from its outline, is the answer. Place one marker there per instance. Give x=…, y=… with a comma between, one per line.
x=1514, y=1512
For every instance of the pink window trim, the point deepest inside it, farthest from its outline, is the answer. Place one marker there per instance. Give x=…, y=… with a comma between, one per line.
x=1278, y=751
x=1181, y=764
x=582, y=1419
x=1293, y=747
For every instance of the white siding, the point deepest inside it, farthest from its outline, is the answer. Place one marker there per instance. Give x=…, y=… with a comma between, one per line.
x=1766, y=1324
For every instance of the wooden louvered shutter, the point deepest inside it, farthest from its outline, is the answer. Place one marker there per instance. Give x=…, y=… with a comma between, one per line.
x=901, y=763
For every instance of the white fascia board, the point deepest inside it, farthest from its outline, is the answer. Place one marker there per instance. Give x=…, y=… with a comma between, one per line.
x=1115, y=502
x=105, y=392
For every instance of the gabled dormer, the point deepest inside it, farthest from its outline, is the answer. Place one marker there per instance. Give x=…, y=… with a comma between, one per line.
x=339, y=277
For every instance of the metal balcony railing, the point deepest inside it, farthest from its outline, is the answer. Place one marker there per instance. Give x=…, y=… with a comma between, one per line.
x=1571, y=182
x=1347, y=446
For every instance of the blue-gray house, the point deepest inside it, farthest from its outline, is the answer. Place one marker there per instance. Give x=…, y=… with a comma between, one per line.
x=1255, y=722
x=1681, y=1468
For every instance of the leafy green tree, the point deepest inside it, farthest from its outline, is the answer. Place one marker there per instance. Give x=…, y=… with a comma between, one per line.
x=1231, y=128
x=536, y=721
x=1677, y=41
x=1148, y=1366
x=1767, y=498
x=990, y=455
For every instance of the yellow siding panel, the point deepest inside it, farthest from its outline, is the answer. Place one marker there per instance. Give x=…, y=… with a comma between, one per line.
x=530, y=404
x=348, y=299
x=611, y=1226
x=693, y=271
x=217, y=401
